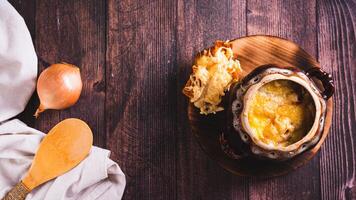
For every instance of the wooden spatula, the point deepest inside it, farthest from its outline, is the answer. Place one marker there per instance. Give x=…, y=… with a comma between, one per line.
x=64, y=147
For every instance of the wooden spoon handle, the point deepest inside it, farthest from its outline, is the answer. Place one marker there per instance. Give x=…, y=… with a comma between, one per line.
x=19, y=192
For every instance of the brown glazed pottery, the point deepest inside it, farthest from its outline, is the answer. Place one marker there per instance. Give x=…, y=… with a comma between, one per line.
x=216, y=134
x=250, y=144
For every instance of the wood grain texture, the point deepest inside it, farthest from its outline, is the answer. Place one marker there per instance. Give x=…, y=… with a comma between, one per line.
x=74, y=32
x=140, y=109
x=135, y=57
x=296, y=21
x=200, y=23
x=337, y=52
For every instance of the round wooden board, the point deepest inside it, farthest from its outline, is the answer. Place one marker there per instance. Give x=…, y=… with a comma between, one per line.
x=253, y=51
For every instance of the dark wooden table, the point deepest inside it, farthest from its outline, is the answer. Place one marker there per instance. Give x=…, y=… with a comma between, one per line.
x=135, y=56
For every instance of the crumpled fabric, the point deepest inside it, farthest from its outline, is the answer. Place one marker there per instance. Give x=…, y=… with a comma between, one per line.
x=96, y=177
x=18, y=62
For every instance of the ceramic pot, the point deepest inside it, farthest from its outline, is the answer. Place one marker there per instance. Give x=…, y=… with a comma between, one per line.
x=245, y=131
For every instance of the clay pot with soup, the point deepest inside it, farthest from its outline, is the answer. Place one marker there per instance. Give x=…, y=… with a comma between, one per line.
x=277, y=113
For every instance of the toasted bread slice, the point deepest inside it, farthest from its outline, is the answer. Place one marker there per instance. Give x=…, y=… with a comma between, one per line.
x=213, y=72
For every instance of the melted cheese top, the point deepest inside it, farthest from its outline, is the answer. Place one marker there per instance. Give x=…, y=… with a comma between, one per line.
x=281, y=113
x=213, y=73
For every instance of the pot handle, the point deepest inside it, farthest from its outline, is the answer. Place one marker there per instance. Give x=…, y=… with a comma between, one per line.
x=325, y=78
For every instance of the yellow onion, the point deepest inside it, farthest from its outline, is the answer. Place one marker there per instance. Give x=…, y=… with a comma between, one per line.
x=58, y=87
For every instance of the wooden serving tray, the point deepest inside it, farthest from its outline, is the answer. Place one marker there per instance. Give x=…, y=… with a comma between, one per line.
x=253, y=51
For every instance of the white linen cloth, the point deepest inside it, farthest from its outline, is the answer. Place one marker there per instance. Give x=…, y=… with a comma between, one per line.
x=18, y=62
x=97, y=177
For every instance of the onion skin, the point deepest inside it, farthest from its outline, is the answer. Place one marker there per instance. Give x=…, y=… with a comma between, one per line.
x=58, y=87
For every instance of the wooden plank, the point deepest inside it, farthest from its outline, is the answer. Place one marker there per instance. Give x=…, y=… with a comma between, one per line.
x=141, y=95
x=74, y=32
x=146, y=121
x=296, y=21
x=337, y=53
x=200, y=23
